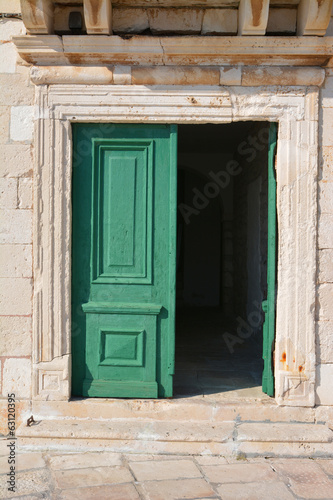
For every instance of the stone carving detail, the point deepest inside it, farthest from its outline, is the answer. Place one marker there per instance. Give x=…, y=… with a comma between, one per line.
x=313, y=17
x=296, y=111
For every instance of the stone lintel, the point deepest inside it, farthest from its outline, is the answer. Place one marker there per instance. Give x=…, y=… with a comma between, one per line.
x=179, y=75
x=192, y=50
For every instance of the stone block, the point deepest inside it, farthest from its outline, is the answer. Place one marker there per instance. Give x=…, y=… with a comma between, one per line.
x=219, y=21
x=32, y=484
x=327, y=127
x=16, y=261
x=181, y=488
x=16, y=226
x=10, y=27
x=281, y=20
x=326, y=164
x=258, y=76
x=326, y=197
x=25, y=461
x=231, y=473
x=15, y=296
x=11, y=7
x=129, y=20
x=8, y=56
x=4, y=124
x=325, y=231
x=230, y=75
x=21, y=123
x=325, y=302
x=16, y=160
x=324, y=342
x=173, y=469
x=260, y=491
x=122, y=75
x=325, y=274
x=114, y=492
x=15, y=90
x=86, y=460
x=92, y=476
x=175, y=76
x=8, y=193
x=15, y=335
x=25, y=193
x=17, y=377
x=175, y=21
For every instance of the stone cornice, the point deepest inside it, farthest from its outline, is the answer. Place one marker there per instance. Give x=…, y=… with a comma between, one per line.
x=178, y=50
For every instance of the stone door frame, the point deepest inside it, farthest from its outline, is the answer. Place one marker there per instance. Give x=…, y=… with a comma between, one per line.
x=296, y=111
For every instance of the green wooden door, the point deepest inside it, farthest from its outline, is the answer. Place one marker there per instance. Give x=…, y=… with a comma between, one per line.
x=123, y=259
x=269, y=304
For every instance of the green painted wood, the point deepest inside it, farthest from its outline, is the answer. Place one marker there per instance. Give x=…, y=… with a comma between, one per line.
x=123, y=259
x=269, y=304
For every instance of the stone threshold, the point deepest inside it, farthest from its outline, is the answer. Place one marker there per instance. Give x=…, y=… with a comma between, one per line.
x=188, y=438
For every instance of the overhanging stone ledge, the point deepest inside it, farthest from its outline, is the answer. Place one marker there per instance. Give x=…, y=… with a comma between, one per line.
x=175, y=50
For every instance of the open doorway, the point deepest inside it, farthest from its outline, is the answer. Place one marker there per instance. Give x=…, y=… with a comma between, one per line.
x=222, y=242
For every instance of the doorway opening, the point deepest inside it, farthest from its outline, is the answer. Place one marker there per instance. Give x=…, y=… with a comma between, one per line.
x=221, y=269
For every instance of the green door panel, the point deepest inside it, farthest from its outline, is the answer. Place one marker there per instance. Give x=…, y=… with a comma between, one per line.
x=269, y=304
x=123, y=259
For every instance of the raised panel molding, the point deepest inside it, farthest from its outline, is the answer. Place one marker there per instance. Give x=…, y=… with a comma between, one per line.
x=296, y=112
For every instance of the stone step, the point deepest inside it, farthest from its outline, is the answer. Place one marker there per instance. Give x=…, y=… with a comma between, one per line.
x=146, y=436
x=181, y=409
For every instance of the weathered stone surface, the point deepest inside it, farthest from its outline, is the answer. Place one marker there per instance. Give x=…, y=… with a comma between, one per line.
x=41, y=75
x=230, y=75
x=12, y=7
x=257, y=76
x=288, y=432
x=324, y=393
x=326, y=197
x=313, y=17
x=98, y=16
x=122, y=75
x=16, y=226
x=233, y=473
x=15, y=89
x=84, y=460
x=4, y=124
x=17, y=377
x=8, y=193
x=8, y=56
x=325, y=341
x=219, y=21
x=25, y=193
x=28, y=483
x=173, y=469
x=16, y=160
x=129, y=20
x=92, y=476
x=16, y=261
x=325, y=298
x=21, y=123
x=181, y=488
x=15, y=335
x=327, y=129
x=253, y=17
x=114, y=492
x=175, y=76
x=24, y=461
x=273, y=491
x=15, y=296
x=325, y=274
x=325, y=232
x=176, y=21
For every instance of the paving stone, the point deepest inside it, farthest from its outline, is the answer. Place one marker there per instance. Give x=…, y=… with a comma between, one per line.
x=326, y=465
x=24, y=461
x=92, y=477
x=210, y=460
x=303, y=472
x=83, y=460
x=31, y=482
x=116, y=492
x=173, y=469
x=144, y=457
x=183, y=488
x=255, y=491
x=313, y=491
x=235, y=473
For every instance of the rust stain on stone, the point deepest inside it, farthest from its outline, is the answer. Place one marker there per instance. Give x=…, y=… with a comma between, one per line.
x=94, y=10
x=257, y=7
x=300, y=368
x=284, y=357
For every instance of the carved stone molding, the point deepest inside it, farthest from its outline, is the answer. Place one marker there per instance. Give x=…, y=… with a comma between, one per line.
x=296, y=111
x=313, y=17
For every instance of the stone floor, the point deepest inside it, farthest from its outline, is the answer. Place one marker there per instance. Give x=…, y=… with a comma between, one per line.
x=105, y=475
x=212, y=365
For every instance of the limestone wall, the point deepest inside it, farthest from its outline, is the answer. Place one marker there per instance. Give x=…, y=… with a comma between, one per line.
x=16, y=171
